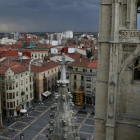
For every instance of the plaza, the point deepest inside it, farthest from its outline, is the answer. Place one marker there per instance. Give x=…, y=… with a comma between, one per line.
x=34, y=127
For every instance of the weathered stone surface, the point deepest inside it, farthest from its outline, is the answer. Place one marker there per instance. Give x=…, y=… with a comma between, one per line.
x=117, y=105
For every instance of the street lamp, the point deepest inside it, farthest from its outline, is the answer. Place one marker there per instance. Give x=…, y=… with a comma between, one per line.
x=21, y=136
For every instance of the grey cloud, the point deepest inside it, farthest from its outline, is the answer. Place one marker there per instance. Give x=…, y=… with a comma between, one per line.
x=49, y=15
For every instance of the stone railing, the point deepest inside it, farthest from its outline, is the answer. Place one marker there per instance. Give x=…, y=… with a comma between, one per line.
x=129, y=35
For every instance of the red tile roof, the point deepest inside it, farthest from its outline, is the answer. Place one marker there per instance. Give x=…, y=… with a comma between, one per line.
x=49, y=65
x=75, y=56
x=10, y=53
x=93, y=64
x=16, y=67
x=81, y=62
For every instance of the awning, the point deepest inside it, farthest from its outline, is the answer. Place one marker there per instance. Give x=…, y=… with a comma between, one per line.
x=23, y=110
x=46, y=94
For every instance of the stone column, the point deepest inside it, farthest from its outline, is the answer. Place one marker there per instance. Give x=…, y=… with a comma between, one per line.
x=133, y=14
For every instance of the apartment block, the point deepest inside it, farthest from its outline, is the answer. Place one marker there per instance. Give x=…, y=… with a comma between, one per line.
x=16, y=84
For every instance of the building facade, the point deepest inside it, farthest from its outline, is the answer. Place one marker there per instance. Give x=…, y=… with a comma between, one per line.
x=117, y=105
x=39, y=54
x=82, y=77
x=45, y=78
x=16, y=84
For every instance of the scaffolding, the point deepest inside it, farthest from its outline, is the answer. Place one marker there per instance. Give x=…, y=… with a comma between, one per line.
x=79, y=97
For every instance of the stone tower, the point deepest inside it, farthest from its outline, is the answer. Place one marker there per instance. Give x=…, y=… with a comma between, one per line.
x=117, y=105
x=62, y=126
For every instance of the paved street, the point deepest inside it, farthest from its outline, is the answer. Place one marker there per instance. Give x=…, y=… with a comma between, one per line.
x=34, y=127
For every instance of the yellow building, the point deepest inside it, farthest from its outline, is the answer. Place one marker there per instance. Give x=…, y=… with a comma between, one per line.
x=45, y=77
x=16, y=84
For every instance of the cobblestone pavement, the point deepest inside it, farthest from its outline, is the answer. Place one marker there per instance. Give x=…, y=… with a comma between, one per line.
x=34, y=127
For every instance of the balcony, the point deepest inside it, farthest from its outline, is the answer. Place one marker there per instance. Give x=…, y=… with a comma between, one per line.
x=89, y=87
x=9, y=81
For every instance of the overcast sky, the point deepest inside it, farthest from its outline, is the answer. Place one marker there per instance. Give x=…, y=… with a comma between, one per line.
x=49, y=15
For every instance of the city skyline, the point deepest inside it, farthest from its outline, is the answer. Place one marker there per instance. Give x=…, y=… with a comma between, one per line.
x=49, y=16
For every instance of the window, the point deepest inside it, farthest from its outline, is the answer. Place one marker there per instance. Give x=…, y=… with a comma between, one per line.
x=90, y=70
x=21, y=82
x=2, y=78
x=55, y=69
x=16, y=93
x=75, y=77
x=7, y=96
x=10, y=96
x=22, y=99
x=88, y=79
x=88, y=85
x=74, y=86
x=11, y=104
x=6, y=86
x=13, y=95
x=82, y=78
x=26, y=73
x=26, y=88
x=4, y=103
x=9, y=77
x=30, y=79
x=10, y=87
x=21, y=75
x=27, y=97
x=2, y=85
x=52, y=70
x=17, y=102
x=48, y=72
x=83, y=69
x=76, y=69
x=3, y=94
x=67, y=76
x=7, y=104
x=16, y=85
x=30, y=95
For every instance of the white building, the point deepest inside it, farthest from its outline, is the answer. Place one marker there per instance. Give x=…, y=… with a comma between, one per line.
x=5, y=40
x=54, y=51
x=68, y=34
x=71, y=49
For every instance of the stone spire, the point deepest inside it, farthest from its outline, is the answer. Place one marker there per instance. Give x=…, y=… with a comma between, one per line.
x=62, y=126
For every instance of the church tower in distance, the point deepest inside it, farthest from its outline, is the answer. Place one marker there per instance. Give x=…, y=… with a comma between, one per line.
x=117, y=105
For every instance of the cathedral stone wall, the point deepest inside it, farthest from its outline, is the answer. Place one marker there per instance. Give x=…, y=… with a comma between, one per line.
x=117, y=105
x=126, y=132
